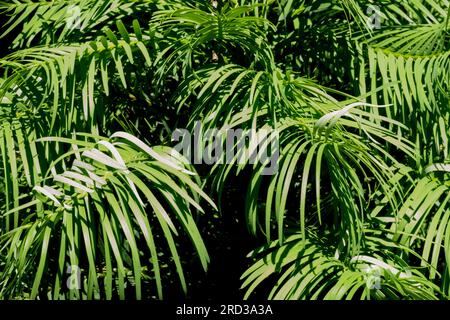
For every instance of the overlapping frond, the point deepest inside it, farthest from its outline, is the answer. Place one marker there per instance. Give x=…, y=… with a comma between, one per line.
x=313, y=270
x=71, y=77
x=100, y=214
x=346, y=102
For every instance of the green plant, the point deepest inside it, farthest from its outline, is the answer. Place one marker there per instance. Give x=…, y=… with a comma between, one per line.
x=359, y=113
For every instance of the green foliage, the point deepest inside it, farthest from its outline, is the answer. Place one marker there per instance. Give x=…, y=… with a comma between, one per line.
x=358, y=207
x=110, y=185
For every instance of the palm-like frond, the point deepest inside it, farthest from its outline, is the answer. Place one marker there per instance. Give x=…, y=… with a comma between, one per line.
x=315, y=133
x=43, y=22
x=355, y=115
x=64, y=73
x=313, y=270
x=230, y=31
x=422, y=220
x=406, y=66
x=100, y=214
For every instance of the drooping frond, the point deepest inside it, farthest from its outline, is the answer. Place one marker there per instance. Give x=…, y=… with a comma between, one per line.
x=100, y=214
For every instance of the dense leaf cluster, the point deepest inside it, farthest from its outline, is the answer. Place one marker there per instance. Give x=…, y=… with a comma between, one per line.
x=357, y=92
